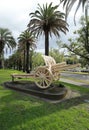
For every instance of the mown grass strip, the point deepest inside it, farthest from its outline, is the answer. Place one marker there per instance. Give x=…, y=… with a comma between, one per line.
x=19, y=111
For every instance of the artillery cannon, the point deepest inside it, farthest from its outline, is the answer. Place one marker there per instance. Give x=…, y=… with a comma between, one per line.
x=45, y=75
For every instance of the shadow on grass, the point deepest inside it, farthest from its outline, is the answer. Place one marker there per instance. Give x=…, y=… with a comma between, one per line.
x=17, y=108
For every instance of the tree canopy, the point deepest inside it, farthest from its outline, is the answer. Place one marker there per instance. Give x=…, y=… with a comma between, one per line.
x=47, y=20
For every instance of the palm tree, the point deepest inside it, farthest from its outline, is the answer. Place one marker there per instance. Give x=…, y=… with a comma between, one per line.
x=47, y=20
x=68, y=4
x=22, y=53
x=6, y=41
x=28, y=39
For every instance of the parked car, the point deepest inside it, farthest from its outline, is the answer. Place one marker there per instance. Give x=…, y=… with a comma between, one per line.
x=85, y=70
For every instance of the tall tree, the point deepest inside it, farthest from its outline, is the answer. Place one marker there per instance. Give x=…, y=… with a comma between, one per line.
x=28, y=39
x=68, y=4
x=47, y=20
x=79, y=45
x=22, y=52
x=6, y=40
x=57, y=55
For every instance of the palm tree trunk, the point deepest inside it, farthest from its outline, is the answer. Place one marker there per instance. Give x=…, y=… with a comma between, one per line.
x=46, y=43
x=31, y=52
x=27, y=57
x=2, y=60
x=24, y=68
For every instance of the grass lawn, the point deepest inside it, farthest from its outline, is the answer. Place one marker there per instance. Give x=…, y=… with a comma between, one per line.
x=19, y=111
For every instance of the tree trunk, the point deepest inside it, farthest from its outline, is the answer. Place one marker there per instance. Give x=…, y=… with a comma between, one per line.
x=27, y=57
x=2, y=60
x=1, y=64
x=31, y=52
x=24, y=68
x=46, y=43
x=20, y=64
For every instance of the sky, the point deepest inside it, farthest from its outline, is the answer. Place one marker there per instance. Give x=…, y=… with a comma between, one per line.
x=14, y=15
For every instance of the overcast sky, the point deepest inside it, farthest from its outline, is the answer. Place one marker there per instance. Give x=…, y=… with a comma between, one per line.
x=14, y=15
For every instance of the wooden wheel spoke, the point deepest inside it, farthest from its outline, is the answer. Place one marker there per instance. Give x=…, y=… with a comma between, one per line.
x=48, y=78
x=43, y=78
x=37, y=74
x=46, y=81
x=47, y=73
x=43, y=83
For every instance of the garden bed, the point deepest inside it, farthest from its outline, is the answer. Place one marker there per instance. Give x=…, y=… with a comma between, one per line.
x=55, y=93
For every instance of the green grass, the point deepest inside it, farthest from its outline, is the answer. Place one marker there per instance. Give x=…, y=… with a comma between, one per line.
x=19, y=111
x=80, y=89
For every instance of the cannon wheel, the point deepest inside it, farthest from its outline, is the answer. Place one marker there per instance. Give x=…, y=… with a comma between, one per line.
x=43, y=77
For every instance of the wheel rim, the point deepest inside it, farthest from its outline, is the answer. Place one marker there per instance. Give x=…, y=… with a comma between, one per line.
x=43, y=78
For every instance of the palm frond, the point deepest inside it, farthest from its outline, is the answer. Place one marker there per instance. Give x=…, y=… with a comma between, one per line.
x=68, y=4
x=6, y=38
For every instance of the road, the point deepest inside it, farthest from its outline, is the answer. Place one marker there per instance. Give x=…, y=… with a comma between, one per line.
x=77, y=79
x=76, y=76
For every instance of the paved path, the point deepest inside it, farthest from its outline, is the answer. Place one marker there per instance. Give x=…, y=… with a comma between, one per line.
x=73, y=82
x=84, y=77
